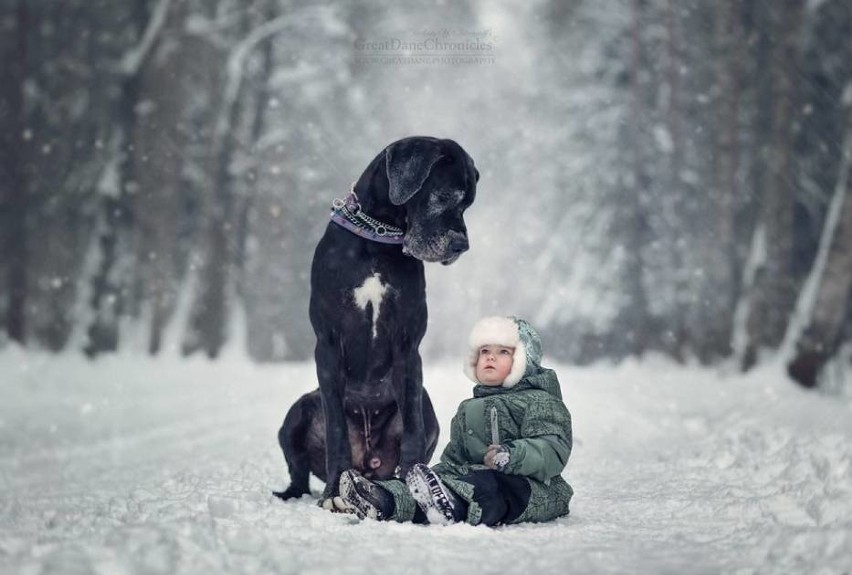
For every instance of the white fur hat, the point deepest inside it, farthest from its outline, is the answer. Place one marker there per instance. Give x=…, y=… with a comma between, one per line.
x=510, y=332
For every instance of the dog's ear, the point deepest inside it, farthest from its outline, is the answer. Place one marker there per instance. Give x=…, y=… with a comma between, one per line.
x=408, y=163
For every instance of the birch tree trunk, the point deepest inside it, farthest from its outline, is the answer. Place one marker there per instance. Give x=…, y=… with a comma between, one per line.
x=159, y=143
x=208, y=323
x=113, y=280
x=263, y=209
x=773, y=293
x=678, y=337
x=821, y=338
x=263, y=93
x=635, y=223
x=722, y=257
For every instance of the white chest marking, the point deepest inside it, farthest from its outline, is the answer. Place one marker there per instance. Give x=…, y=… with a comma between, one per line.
x=372, y=291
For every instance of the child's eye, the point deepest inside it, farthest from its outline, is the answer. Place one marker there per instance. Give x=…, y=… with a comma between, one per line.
x=504, y=351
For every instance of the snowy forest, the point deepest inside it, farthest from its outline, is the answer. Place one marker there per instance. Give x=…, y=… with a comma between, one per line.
x=657, y=176
x=664, y=194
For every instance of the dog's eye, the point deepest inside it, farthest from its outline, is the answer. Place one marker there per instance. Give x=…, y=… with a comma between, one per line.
x=447, y=199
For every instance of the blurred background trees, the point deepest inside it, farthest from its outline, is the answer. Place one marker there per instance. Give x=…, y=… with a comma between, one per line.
x=657, y=176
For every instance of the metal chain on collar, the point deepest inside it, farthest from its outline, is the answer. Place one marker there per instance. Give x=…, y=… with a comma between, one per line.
x=377, y=226
x=350, y=209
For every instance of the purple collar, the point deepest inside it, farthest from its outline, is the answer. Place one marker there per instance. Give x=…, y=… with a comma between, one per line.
x=347, y=214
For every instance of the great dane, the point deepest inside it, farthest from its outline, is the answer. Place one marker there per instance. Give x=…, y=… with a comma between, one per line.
x=368, y=311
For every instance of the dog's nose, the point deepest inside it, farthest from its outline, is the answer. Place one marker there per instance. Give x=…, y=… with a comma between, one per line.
x=458, y=242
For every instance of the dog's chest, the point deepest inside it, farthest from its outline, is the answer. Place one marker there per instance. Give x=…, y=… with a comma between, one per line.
x=369, y=296
x=384, y=299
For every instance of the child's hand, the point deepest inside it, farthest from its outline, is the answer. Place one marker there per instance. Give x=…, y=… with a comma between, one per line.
x=496, y=457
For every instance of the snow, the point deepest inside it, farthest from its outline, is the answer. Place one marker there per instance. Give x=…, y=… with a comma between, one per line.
x=135, y=465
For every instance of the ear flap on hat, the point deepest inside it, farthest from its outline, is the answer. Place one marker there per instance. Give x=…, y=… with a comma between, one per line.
x=519, y=365
x=408, y=163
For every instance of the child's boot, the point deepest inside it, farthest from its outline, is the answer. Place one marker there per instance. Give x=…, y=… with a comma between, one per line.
x=365, y=497
x=438, y=503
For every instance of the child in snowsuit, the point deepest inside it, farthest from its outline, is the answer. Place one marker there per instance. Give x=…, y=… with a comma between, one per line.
x=508, y=444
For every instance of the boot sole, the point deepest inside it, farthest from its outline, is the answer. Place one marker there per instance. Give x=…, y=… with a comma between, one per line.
x=430, y=494
x=350, y=493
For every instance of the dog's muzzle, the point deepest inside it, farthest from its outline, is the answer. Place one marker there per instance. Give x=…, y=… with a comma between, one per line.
x=445, y=249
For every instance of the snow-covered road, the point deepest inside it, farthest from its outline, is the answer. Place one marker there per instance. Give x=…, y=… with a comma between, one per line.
x=130, y=465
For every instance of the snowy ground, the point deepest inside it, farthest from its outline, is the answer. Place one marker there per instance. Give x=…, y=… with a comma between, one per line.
x=128, y=465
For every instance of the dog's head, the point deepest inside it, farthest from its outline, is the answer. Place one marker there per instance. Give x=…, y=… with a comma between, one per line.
x=435, y=181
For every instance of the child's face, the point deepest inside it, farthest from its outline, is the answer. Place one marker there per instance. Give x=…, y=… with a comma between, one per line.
x=494, y=364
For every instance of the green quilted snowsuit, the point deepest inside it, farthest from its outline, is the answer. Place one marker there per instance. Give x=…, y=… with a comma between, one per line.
x=535, y=426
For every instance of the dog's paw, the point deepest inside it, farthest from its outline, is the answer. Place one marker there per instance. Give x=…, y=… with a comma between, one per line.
x=289, y=493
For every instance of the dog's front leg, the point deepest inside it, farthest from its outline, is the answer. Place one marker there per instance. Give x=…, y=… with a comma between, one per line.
x=338, y=453
x=408, y=384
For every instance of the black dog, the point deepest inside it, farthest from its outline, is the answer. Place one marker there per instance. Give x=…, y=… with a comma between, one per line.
x=368, y=311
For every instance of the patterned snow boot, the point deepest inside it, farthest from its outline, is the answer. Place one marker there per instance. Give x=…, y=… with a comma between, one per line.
x=364, y=497
x=438, y=503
